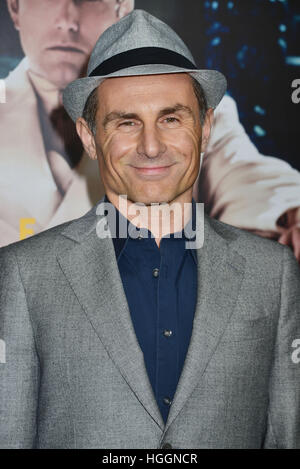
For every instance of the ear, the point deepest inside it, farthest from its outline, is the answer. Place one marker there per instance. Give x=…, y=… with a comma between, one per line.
x=206, y=129
x=86, y=137
x=13, y=8
x=124, y=7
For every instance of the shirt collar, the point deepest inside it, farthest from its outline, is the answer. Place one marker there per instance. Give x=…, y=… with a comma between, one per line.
x=120, y=242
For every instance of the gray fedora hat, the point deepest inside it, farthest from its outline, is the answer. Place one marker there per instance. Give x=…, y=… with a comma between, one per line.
x=139, y=44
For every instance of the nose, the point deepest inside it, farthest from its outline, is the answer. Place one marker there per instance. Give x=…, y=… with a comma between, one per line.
x=68, y=16
x=150, y=143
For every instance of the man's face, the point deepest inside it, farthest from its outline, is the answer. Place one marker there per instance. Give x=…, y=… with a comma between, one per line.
x=58, y=36
x=148, y=137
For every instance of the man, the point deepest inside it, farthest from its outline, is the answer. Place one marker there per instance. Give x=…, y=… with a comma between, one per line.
x=153, y=339
x=49, y=187
x=258, y=193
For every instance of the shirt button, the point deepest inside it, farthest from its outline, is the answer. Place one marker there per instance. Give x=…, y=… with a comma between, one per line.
x=167, y=333
x=167, y=401
x=155, y=272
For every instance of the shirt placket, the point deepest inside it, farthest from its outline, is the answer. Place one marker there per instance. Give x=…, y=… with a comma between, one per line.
x=167, y=359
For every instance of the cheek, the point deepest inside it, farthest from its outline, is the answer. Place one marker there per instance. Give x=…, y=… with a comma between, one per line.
x=36, y=31
x=118, y=146
x=93, y=25
x=186, y=143
x=112, y=152
x=37, y=17
x=31, y=29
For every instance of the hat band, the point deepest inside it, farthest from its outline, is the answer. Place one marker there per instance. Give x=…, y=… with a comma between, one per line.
x=142, y=56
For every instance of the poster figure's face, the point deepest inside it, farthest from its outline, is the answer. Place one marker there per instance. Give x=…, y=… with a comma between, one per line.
x=148, y=137
x=58, y=36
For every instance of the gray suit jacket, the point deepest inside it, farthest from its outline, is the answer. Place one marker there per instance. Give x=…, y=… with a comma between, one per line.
x=74, y=374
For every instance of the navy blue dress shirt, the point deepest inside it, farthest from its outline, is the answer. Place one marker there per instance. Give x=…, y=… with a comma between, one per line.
x=160, y=285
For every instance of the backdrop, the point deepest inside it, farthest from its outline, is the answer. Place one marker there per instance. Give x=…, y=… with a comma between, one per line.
x=253, y=42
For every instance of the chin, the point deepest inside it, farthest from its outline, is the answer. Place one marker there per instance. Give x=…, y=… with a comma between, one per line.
x=63, y=74
x=149, y=199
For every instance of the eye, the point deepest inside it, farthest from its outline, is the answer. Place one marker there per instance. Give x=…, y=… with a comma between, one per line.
x=78, y=2
x=171, y=120
x=128, y=126
x=128, y=123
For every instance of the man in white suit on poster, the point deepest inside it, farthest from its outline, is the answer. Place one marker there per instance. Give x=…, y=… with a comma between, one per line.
x=258, y=193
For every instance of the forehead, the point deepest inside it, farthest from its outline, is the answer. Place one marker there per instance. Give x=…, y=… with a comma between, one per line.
x=138, y=90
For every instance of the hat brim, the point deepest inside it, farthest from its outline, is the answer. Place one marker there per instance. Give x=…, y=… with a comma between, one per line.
x=75, y=95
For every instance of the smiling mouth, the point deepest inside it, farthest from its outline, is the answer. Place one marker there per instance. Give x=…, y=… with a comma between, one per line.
x=152, y=170
x=67, y=49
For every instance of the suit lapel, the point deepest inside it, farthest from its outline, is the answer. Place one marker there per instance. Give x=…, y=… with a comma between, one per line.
x=220, y=274
x=92, y=271
x=31, y=191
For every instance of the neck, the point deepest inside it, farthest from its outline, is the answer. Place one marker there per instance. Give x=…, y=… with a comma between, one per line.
x=159, y=218
x=49, y=93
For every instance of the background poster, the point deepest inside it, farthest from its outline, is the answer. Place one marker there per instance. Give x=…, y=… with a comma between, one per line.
x=253, y=42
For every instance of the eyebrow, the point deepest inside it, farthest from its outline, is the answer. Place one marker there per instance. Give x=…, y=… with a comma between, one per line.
x=176, y=108
x=115, y=115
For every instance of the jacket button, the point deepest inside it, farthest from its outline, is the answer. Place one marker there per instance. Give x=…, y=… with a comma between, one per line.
x=155, y=272
x=167, y=446
x=167, y=401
